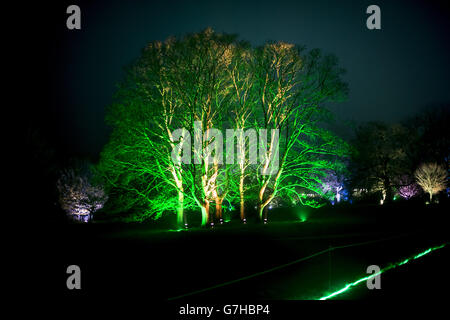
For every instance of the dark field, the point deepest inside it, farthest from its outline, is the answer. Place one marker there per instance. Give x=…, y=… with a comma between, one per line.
x=139, y=260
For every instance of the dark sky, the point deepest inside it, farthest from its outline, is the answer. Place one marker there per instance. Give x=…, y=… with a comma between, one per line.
x=392, y=72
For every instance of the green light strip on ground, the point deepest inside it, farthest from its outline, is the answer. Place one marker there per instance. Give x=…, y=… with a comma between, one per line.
x=353, y=284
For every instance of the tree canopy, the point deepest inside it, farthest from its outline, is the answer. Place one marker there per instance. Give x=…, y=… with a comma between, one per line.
x=179, y=97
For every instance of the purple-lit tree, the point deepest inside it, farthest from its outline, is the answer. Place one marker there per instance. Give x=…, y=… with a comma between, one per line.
x=333, y=183
x=407, y=187
x=78, y=197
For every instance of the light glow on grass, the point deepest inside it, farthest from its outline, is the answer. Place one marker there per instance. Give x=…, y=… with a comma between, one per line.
x=176, y=230
x=302, y=216
x=353, y=284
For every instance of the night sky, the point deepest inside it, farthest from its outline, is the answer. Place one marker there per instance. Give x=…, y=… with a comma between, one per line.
x=392, y=72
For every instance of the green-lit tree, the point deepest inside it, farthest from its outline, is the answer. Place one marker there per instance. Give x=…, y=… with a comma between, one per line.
x=176, y=91
x=165, y=151
x=137, y=161
x=292, y=87
x=199, y=76
x=242, y=118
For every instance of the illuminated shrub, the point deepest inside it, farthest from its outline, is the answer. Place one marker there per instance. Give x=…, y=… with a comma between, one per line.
x=334, y=186
x=78, y=197
x=407, y=187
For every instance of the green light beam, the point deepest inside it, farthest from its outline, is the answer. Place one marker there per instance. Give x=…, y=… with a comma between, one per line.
x=286, y=265
x=354, y=284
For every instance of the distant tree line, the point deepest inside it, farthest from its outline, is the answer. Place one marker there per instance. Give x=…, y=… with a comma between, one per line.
x=402, y=158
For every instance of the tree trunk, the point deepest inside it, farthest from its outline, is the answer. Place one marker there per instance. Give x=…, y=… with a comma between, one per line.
x=205, y=212
x=219, y=208
x=180, y=210
x=241, y=195
x=338, y=195
x=260, y=211
x=261, y=204
x=242, y=209
x=388, y=190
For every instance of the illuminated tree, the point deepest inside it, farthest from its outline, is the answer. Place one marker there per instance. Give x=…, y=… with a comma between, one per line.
x=431, y=177
x=176, y=90
x=243, y=104
x=177, y=98
x=137, y=161
x=292, y=86
x=407, y=188
x=199, y=75
x=78, y=196
x=333, y=183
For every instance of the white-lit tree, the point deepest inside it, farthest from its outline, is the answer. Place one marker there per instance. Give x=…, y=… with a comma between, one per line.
x=431, y=177
x=78, y=197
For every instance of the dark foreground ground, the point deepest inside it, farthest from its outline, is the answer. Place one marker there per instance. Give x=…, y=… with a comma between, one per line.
x=136, y=261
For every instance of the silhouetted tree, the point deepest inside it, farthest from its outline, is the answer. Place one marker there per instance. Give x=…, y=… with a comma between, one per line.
x=379, y=157
x=429, y=130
